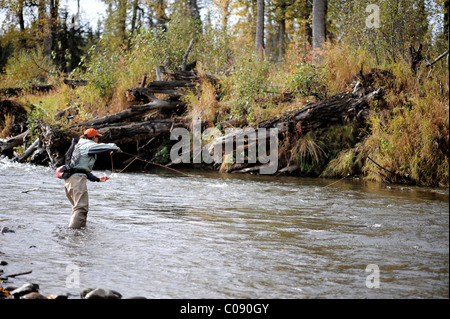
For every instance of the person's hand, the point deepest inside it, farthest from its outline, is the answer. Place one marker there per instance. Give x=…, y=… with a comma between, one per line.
x=104, y=178
x=119, y=150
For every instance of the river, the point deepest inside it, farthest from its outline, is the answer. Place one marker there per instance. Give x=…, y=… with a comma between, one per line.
x=159, y=234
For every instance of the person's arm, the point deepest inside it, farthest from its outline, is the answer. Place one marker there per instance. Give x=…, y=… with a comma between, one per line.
x=94, y=178
x=102, y=147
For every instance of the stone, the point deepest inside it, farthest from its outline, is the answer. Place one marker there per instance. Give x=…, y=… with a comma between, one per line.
x=6, y=230
x=85, y=291
x=33, y=295
x=25, y=289
x=100, y=293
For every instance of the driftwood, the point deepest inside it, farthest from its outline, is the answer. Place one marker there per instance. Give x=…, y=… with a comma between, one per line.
x=13, y=91
x=429, y=64
x=137, y=131
x=74, y=82
x=186, y=54
x=338, y=109
x=133, y=111
x=29, y=151
x=55, y=142
x=17, y=274
x=13, y=142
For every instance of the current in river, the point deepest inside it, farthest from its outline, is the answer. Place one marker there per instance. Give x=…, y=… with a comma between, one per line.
x=159, y=234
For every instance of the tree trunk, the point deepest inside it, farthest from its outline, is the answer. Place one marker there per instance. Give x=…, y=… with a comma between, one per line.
x=446, y=15
x=51, y=32
x=134, y=17
x=41, y=20
x=259, y=41
x=319, y=13
x=281, y=38
x=224, y=7
x=160, y=14
x=122, y=19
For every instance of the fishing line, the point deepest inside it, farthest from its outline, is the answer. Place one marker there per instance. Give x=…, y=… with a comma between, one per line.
x=302, y=193
x=135, y=157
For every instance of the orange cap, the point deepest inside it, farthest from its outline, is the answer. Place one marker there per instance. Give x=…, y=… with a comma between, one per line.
x=92, y=132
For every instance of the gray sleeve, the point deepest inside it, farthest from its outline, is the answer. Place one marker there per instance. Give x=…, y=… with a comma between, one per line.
x=102, y=147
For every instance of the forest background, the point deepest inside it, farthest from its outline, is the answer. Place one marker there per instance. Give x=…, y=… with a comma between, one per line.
x=258, y=49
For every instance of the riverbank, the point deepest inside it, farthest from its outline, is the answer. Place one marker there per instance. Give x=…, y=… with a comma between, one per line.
x=387, y=125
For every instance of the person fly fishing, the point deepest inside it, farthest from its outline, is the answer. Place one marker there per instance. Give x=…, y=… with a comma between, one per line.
x=81, y=163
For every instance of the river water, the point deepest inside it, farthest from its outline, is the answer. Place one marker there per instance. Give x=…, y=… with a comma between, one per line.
x=159, y=234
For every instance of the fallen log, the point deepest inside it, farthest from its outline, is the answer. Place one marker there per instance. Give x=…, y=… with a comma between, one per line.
x=13, y=142
x=55, y=142
x=136, y=131
x=334, y=110
x=338, y=109
x=29, y=151
x=252, y=169
x=133, y=111
x=33, y=88
x=288, y=169
x=74, y=82
x=13, y=91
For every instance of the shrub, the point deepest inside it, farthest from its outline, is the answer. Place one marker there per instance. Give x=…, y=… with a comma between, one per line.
x=413, y=143
x=27, y=68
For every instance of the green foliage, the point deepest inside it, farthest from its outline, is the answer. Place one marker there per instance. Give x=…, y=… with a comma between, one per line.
x=103, y=72
x=162, y=156
x=27, y=68
x=36, y=115
x=307, y=80
x=250, y=81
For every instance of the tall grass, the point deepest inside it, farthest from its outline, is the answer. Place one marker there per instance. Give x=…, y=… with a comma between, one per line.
x=414, y=143
x=413, y=140
x=203, y=103
x=27, y=68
